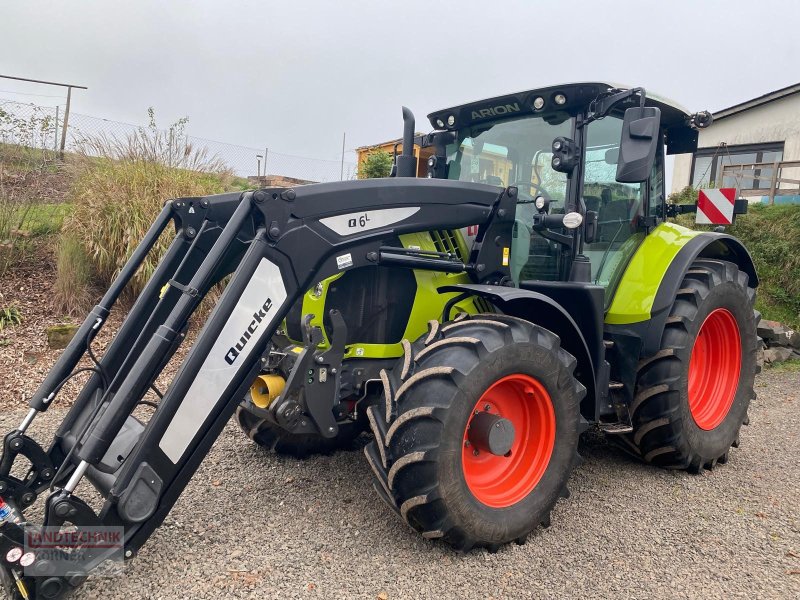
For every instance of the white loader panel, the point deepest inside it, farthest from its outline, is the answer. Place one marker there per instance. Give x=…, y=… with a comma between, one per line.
x=365, y=220
x=252, y=318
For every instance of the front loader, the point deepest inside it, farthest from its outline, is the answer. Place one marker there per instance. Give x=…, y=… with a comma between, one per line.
x=477, y=321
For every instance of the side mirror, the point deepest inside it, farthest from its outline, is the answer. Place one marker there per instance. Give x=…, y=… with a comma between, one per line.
x=638, y=145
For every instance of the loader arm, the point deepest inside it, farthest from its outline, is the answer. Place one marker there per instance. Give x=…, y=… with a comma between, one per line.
x=276, y=243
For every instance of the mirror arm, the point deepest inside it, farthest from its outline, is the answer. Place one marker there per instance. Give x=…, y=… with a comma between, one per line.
x=673, y=210
x=554, y=236
x=600, y=108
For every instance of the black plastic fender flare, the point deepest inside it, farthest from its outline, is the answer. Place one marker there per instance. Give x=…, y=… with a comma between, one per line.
x=705, y=245
x=521, y=303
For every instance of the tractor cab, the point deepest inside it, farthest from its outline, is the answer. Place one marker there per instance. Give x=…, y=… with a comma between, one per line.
x=571, y=149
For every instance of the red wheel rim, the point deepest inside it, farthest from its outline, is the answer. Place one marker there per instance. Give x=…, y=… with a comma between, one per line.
x=714, y=369
x=501, y=481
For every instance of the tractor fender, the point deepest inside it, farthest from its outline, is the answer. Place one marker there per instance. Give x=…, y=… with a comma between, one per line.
x=711, y=245
x=545, y=312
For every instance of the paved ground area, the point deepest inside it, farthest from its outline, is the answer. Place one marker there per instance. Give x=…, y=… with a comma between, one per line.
x=252, y=525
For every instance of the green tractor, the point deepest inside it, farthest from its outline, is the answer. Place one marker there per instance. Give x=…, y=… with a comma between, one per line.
x=608, y=314
x=476, y=322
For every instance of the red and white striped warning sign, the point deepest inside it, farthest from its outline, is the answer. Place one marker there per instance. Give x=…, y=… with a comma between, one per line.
x=715, y=207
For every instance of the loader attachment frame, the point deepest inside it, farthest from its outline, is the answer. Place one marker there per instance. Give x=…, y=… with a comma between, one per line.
x=275, y=243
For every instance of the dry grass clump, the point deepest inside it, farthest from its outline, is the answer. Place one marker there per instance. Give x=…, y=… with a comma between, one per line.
x=120, y=186
x=72, y=286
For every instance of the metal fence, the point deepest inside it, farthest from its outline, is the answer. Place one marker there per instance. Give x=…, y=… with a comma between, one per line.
x=29, y=125
x=40, y=127
x=779, y=178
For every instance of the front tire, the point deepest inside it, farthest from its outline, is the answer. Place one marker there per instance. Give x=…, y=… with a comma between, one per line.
x=692, y=396
x=444, y=479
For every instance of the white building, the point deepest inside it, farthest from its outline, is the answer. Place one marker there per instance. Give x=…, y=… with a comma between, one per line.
x=748, y=136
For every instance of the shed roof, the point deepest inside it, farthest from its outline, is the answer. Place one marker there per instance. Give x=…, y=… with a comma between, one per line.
x=758, y=101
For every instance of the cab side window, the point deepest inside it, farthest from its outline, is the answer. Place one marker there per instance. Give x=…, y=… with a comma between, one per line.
x=657, y=182
x=619, y=206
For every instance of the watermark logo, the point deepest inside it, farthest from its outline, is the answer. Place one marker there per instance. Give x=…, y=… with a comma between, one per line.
x=66, y=551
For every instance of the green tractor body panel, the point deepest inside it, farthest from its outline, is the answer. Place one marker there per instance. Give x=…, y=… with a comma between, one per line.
x=428, y=302
x=636, y=291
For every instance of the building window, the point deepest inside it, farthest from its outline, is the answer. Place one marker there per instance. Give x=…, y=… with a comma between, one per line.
x=708, y=163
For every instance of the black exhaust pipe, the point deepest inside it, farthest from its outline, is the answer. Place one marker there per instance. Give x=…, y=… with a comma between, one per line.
x=406, y=162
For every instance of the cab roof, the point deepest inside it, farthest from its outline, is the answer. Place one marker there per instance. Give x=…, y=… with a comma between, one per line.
x=577, y=95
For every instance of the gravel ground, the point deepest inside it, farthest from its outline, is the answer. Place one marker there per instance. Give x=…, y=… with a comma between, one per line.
x=254, y=525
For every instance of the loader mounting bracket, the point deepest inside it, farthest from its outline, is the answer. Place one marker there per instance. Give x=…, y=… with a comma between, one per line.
x=41, y=472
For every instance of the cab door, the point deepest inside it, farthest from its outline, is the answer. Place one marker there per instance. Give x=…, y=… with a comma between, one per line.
x=621, y=208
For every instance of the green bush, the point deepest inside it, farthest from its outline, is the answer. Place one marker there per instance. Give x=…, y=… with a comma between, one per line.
x=375, y=164
x=772, y=235
x=117, y=196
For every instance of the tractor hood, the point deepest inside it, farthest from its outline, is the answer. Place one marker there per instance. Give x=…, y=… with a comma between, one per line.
x=390, y=192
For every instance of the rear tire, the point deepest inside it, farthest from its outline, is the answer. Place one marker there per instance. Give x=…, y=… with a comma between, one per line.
x=692, y=396
x=280, y=441
x=424, y=466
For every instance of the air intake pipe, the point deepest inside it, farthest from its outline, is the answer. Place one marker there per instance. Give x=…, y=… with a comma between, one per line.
x=406, y=163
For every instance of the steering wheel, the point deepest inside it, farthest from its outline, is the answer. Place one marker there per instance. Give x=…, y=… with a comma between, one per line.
x=535, y=187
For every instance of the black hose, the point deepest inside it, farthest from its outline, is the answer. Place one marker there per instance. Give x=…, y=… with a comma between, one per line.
x=103, y=379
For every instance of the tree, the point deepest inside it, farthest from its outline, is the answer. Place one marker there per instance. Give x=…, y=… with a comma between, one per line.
x=377, y=163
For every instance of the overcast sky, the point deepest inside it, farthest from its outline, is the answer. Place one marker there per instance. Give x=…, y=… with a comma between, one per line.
x=293, y=75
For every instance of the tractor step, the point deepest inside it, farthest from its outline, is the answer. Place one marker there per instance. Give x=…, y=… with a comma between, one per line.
x=615, y=428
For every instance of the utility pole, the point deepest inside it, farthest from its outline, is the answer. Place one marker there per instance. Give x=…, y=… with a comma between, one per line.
x=341, y=170
x=69, y=87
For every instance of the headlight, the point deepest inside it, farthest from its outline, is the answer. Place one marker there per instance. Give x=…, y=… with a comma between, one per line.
x=14, y=555
x=572, y=220
x=27, y=559
x=538, y=103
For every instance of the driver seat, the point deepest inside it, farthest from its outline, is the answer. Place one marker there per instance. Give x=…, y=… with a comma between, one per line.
x=592, y=203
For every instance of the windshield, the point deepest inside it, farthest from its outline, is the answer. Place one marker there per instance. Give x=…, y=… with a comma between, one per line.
x=513, y=152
